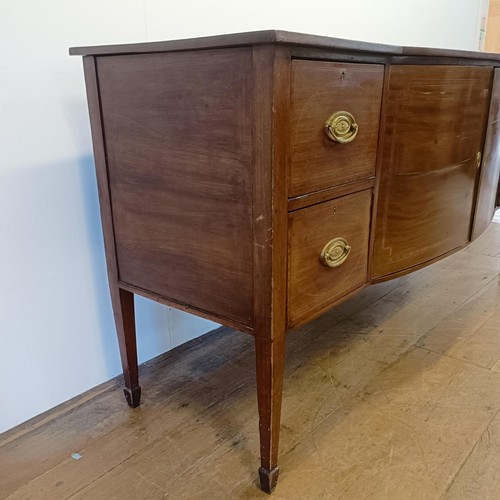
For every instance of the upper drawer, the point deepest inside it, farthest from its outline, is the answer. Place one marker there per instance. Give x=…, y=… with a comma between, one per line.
x=319, y=90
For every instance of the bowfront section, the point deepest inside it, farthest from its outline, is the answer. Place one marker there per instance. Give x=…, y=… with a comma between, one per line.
x=431, y=153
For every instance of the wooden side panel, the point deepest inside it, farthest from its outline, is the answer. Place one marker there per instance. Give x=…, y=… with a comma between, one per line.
x=490, y=168
x=312, y=286
x=178, y=130
x=320, y=89
x=434, y=129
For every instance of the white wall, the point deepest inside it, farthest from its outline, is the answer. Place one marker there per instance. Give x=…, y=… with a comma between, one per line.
x=56, y=326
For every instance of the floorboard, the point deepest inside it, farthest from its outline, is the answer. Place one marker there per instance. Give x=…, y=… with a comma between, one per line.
x=394, y=394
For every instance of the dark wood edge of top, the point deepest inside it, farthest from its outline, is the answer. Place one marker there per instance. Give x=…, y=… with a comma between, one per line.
x=237, y=39
x=277, y=37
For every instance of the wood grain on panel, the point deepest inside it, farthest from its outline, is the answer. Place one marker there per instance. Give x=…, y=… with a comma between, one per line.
x=312, y=286
x=490, y=168
x=320, y=89
x=178, y=130
x=434, y=128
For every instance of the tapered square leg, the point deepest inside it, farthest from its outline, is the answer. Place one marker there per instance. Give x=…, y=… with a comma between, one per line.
x=270, y=361
x=123, y=308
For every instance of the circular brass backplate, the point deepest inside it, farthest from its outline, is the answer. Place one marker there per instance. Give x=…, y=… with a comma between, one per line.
x=341, y=127
x=335, y=252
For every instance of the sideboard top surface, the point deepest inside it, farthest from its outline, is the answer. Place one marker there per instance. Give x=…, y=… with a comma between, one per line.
x=282, y=38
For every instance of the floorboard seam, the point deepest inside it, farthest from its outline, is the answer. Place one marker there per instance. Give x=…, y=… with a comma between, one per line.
x=456, y=359
x=461, y=466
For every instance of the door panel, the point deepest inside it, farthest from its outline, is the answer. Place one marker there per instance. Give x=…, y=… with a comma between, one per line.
x=490, y=168
x=434, y=130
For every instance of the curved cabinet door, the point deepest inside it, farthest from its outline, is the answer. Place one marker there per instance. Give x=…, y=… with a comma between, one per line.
x=490, y=168
x=433, y=137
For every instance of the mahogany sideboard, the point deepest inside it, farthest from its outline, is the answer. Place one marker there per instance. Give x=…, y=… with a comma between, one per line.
x=258, y=179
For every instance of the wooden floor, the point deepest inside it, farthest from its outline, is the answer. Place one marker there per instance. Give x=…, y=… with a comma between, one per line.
x=392, y=395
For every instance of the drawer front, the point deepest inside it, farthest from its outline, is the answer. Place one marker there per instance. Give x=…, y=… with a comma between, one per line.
x=322, y=90
x=312, y=284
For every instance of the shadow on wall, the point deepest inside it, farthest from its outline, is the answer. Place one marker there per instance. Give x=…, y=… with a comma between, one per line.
x=55, y=307
x=56, y=318
x=153, y=319
x=159, y=328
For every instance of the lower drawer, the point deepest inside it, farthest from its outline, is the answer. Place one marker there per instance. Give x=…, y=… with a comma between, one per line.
x=327, y=254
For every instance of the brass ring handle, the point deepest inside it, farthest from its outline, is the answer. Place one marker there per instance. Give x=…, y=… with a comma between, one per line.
x=335, y=252
x=341, y=127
